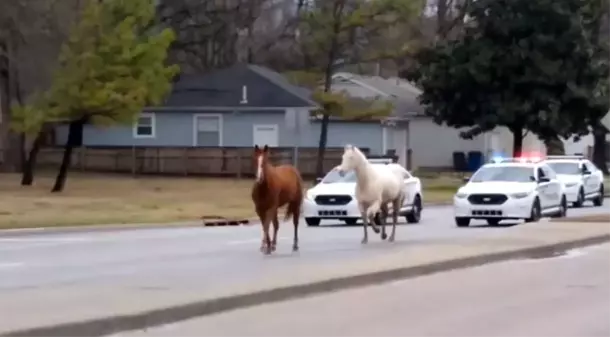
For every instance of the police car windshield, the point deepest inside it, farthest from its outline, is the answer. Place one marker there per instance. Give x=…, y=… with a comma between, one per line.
x=334, y=177
x=518, y=174
x=565, y=168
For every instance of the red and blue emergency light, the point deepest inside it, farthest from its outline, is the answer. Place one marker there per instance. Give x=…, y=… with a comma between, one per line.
x=533, y=157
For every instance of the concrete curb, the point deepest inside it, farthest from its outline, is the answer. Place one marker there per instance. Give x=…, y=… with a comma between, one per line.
x=120, y=323
x=134, y=226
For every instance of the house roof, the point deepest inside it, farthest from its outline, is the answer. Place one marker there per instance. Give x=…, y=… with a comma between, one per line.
x=402, y=93
x=227, y=87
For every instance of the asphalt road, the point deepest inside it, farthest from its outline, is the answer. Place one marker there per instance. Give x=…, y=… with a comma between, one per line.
x=563, y=296
x=198, y=256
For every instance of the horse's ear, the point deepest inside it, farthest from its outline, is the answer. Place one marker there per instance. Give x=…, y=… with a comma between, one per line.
x=266, y=148
x=349, y=147
x=256, y=148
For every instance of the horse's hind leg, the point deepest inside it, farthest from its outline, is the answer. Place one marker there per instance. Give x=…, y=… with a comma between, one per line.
x=396, y=205
x=380, y=218
x=296, y=214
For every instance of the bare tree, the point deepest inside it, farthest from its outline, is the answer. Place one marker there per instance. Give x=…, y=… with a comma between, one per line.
x=31, y=32
x=211, y=34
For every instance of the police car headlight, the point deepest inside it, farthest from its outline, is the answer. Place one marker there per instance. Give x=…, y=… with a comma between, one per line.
x=571, y=184
x=309, y=196
x=461, y=195
x=520, y=195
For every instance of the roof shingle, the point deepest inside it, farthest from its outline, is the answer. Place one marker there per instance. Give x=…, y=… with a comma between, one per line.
x=223, y=88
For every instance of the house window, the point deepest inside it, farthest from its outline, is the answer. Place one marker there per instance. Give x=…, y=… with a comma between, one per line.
x=208, y=130
x=145, y=127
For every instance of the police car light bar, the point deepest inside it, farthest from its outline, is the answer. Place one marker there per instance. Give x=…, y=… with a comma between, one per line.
x=565, y=157
x=533, y=158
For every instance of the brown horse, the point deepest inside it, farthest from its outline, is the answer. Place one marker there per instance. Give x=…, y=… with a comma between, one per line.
x=274, y=187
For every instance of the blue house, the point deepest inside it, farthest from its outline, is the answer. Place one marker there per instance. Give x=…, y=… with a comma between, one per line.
x=234, y=107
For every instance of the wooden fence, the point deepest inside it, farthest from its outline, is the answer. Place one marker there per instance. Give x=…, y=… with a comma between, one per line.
x=237, y=162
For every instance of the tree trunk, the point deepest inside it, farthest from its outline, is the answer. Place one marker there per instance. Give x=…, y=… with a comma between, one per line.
x=30, y=162
x=75, y=133
x=9, y=86
x=328, y=77
x=517, y=141
x=599, y=149
x=554, y=147
x=322, y=145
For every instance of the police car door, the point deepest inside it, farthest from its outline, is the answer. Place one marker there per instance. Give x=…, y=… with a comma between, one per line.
x=591, y=178
x=541, y=188
x=553, y=190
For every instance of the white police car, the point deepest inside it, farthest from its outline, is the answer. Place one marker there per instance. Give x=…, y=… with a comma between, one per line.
x=333, y=198
x=510, y=188
x=582, y=179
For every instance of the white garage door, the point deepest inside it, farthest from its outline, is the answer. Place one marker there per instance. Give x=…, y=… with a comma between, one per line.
x=265, y=134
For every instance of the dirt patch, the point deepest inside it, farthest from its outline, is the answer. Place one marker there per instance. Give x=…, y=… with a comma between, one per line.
x=116, y=199
x=586, y=218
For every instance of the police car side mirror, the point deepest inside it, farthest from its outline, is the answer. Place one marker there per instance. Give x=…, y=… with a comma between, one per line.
x=318, y=180
x=543, y=180
x=585, y=172
x=466, y=179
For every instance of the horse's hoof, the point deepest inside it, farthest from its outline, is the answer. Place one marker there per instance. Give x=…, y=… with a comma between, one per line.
x=364, y=241
x=295, y=248
x=384, y=236
x=376, y=230
x=391, y=239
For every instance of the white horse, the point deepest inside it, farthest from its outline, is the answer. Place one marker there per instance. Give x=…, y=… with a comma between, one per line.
x=376, y=186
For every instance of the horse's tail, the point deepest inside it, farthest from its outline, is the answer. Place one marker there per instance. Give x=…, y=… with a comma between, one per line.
x=294, y=207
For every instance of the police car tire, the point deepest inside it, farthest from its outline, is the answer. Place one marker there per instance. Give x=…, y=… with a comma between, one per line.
x=493, y=222
x=312, y=222
x=599, y=200
x=581, y=198
x=563, y=210
x=535, y=214
x=415, y=215
x=462, y=222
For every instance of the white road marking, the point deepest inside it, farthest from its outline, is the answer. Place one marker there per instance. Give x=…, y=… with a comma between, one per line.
x=10, y=265
x=46, y=239
x=572, y=254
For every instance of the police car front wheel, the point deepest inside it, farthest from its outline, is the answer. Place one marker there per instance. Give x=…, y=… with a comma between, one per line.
x=462, y=222
x=535, y=214
x=312, y=222
x=599, y=200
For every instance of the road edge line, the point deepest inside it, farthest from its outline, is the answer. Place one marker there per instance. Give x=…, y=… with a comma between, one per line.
x=157, y=317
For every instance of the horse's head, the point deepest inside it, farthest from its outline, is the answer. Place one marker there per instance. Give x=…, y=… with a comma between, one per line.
x=260, y=160
x=351, y=159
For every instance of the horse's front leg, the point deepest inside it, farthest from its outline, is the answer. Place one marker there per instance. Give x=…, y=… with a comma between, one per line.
x=365, y=222
x=266, y=218
x=262, y=215
x=276, y=227
x=372, y=213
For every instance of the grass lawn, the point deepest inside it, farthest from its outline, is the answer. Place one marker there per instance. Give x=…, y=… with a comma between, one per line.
x=114, y=199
